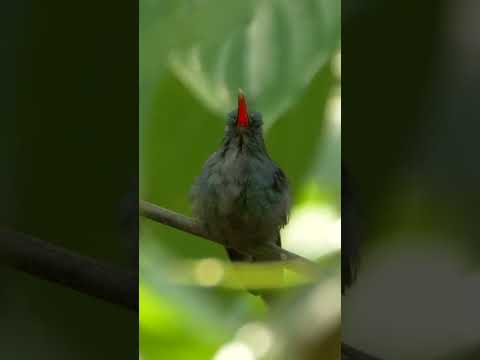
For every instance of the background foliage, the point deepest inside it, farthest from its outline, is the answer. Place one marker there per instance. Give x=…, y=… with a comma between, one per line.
x=194, y=55
x=412, y=91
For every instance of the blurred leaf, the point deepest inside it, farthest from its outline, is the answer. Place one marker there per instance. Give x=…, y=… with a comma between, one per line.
x=273, y=58
x=295, y=137
x=190, y=21
x=182, y=322
x=165, y=329
x=154, y=273
x=180, y=24
x=310, y=322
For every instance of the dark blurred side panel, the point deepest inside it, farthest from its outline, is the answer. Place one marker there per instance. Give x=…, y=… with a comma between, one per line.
x=410, y=106
x=69, y=160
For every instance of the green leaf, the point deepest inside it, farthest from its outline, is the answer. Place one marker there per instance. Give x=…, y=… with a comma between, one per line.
x=181, y=24
x=273, y=57
x=174, y=25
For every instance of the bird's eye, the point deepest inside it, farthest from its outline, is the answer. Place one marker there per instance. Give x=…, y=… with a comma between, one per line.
x=256, y=118
x=231, y=119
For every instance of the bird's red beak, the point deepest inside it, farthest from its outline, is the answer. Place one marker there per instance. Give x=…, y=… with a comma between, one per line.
x=242, y=114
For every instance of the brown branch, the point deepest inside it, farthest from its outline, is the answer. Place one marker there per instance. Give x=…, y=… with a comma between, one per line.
x=173, y=219
x=80, y=273
x=192, y=226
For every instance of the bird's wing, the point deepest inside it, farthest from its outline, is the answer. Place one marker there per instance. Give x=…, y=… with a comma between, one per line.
x=280, y=186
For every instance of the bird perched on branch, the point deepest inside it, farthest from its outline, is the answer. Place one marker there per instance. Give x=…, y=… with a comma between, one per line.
x=242, y=196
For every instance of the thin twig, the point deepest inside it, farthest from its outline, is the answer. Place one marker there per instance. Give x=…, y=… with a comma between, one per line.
x=192, y=226
x=173, y=219
x=80, y=273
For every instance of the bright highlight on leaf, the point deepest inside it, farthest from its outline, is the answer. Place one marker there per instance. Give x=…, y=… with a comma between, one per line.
x=334, y=112
x=313, y=231
x=234, y=351
x=258, y=336
x=208, y=272
x=273, y=57
x=213, y=272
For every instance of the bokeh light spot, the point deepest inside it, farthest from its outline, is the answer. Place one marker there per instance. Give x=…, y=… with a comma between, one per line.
x=257, y=336
x=313, y=231
x=235, y=350
x=208, y=272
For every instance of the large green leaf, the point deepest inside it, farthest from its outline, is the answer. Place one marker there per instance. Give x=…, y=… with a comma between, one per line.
x=273, y=57
x=171, y=25
x=180, y=24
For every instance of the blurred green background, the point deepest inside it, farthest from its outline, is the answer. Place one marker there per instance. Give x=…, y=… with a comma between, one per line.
x=194, y=55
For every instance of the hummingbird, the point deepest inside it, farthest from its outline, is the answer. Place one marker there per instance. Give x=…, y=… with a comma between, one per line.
x=241, y=196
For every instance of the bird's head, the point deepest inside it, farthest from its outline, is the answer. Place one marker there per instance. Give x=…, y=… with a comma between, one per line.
x=243, y=123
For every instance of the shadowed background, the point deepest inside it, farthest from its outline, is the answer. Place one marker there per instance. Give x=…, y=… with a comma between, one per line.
x=410, y=142
x=69, y=149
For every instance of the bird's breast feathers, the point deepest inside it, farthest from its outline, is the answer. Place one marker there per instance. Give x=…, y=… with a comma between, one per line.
x=248, y=190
